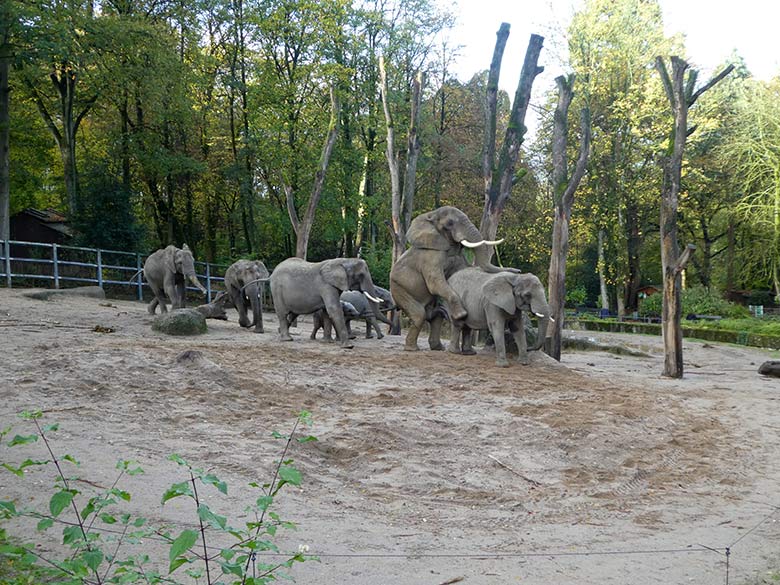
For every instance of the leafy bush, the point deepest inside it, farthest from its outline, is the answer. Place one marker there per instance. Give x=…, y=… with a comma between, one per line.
x=576, y=296
x=765, y=326
x=95, y=530
x=696, y=300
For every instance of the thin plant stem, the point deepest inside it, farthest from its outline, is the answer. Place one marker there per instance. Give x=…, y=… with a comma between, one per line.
x=202, y=528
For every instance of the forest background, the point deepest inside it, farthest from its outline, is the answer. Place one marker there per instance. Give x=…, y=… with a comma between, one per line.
x=151, y=122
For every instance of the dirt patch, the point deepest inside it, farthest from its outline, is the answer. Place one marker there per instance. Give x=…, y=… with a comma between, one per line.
x=425, y=453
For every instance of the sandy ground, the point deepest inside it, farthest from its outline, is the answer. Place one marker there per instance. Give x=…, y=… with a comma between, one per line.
x=430, y=468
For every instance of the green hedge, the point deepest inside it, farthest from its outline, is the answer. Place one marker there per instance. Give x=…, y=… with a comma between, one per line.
x=722, y=335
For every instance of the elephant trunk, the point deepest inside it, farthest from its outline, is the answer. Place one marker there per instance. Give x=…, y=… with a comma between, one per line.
x=372, y=296
x=253, y=291
x=542, y=312
x=194, y=280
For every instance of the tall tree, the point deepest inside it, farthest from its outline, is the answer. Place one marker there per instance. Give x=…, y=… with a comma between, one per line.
x=499, y=174
x=6, y=56
x=680, y=92
x=564, y=188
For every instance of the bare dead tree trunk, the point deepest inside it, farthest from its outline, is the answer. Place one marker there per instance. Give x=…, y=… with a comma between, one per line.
x=563, y=190
x=402, y=200
x=602, y=272
x=303, y=227
x=679, y=91
x=499, y=175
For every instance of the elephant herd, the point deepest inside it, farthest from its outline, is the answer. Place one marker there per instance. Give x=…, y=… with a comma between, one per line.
x=432, y=280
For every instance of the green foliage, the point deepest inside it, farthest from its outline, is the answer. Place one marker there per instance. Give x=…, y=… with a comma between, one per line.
x=96, y=531
x=576, y=296
x=696, y=300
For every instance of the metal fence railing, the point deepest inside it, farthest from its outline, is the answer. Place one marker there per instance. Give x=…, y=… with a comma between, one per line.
x=33, y=263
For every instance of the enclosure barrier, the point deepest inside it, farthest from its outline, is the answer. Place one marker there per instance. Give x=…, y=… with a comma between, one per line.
x=60, y=265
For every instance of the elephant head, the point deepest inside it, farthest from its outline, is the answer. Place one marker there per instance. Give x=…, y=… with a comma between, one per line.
x=180, y=261
x=520, y=292
x=448, y=228
x=352, y=274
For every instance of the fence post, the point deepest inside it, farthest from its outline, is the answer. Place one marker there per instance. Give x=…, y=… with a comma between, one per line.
x=56, y=266
x=7, y=252
x=208, y=282
x=100, y=268
x=140, y=277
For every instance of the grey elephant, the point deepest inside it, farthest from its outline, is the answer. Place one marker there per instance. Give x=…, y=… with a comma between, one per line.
x=494, y=301
x=358, y=301
x=216, y=308
x=437, y=240
x=322, y=321
x=299, y=287
x=166, y=271
x=244, y=283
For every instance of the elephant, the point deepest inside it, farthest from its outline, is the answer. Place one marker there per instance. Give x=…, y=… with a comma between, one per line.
x=244, y=284
x=216, y=308
x=299, y=287
x=358, y=301
x=420, y=275
x=493, y=301
x=165, y=271
x=322, y=321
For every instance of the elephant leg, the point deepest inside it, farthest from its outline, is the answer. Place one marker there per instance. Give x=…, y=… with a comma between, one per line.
x=438, y=286
x=240, y=304
x=455, y=337
x=414, y=310
x=316, y=324
x=158, y=294
x=434, y=336
x=348, y=323
x=284, y=317
x=371, y=323
x=257, y=310
x=517, y=327
x=497, y=330
x=467, y=337
x=336, y=314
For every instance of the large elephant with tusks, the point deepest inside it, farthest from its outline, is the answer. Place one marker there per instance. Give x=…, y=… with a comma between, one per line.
x=437, y=240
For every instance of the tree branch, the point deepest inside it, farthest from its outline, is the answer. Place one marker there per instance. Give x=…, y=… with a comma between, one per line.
x=682, y=261
x=710, y=83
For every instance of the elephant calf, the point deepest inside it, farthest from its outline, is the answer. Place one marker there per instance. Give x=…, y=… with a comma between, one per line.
x=360, y=302
x=492, y=302
x=244, y=283
x=322, y=321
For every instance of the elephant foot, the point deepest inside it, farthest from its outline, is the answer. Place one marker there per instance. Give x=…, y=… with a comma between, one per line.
x=411, y=348
x=436, y=346
x=285, y=338
x=468, y=351
x=347, y=346
x=370, y=336
x=352, y=336
x=524, y=362
x=502, y=362
x=380, y=336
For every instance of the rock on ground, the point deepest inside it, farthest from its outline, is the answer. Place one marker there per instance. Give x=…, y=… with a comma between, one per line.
x=94, y=292
x=180, y=322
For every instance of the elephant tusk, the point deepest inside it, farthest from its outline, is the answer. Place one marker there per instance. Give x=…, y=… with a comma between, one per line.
x=540, y=315
x=370, y=298
x=467, y=244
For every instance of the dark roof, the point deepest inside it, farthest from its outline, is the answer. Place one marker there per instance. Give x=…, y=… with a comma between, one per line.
x=51, y=218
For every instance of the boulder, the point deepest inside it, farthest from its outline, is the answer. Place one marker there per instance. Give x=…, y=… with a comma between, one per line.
x=216, y=308
x=770, y=368
x=180, y=322
x=47, y=294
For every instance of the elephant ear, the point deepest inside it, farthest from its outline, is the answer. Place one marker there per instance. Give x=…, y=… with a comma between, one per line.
x=423, y=234
x=169, y=258
x=498, y=291
x=334, y=273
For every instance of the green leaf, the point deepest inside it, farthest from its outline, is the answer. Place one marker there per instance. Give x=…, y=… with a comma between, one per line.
x=108, y=518
x=51, y=428
x=176, y=490
x=30, y=414
x=176, y=458
x=45, y=524
x=93, y=558
x=120, y=494
x=214, y=520
x=264, y=502
x=232, y=568
x=9, y=507
x=22, y=440
x=290, y=475
x=60, y=501
x=71, y=459
x=129, y=466
x=181, y=545
x=307, y=439
x=278, y=435
x=212, y=479
x=176, y=563
x=72, y=534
